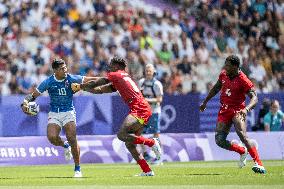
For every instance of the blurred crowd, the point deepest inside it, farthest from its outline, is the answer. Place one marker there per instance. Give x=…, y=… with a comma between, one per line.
x=187, y=47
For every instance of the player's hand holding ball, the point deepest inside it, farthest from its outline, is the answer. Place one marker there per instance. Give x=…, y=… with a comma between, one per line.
x=75, y=87
x=25, y=107
x=30, y=108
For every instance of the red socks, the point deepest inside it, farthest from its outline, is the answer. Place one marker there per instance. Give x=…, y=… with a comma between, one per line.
x=254, y=154
x=144, y=165
x=237, y=148
x=146, y=141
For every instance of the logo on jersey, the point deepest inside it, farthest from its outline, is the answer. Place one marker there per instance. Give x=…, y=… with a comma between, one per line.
x=223, y=81
x=66, y=84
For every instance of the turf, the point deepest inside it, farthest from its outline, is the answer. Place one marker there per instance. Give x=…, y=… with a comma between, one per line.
x=170, y=175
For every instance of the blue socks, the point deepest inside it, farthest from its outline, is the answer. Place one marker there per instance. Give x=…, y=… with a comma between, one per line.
x=66, y=144
x=77, y=168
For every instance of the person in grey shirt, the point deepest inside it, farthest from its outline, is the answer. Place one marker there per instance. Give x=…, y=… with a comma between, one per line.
x=152, y=90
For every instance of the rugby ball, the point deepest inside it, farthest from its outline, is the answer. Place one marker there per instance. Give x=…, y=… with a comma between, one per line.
x=33, y=108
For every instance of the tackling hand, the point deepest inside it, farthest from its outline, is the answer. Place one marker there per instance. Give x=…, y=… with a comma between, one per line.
x=75, y=87
x=202, y=107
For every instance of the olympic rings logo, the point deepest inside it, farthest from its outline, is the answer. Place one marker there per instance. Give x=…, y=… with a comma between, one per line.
x=167, y=117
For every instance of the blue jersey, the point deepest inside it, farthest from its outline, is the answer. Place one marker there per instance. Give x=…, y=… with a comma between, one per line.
x=60, y=92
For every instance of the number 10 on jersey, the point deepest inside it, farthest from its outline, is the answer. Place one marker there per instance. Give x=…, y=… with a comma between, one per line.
x=62, y=91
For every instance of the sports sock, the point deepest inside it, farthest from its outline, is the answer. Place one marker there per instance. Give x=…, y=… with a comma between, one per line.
x=144, y=165
x=66, y=144
x=237, y=148
x=77, y=168
x=146, y=141
x=254, y=154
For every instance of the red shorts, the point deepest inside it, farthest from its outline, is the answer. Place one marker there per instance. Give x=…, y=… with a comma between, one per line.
x=143, y=117
x=142, y=111
x=227, y=113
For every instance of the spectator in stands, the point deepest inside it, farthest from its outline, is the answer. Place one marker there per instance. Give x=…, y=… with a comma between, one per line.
x=209, y=86
x=221, y=41
x=257, y=71
x=33, y=33
x=148, y=55
x=211, y=44
x=232, y=41
x=264, y=109
x=185, y=66
x=274, y=118
x=178, y=90
x=194, y=89
x=24, y=82
x=166, y=81
x=38, y=60
x=4, y=88
x=244, y=18
x=164, y=54
x=202, y=53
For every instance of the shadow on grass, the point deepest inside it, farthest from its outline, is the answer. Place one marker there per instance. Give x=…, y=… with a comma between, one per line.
x=10, y=178
x=198, y=174
x=187, y=175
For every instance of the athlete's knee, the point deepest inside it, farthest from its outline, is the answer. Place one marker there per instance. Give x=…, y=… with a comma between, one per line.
x=130, y=145
x=72, y=140
x=53, y=139
x=243, y=137
x=220, y=139
x=121, y=136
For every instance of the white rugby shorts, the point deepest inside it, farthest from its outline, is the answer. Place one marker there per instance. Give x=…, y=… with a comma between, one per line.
x=61, y=118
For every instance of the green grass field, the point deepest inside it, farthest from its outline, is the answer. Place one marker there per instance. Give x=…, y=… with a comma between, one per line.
x=170, y=175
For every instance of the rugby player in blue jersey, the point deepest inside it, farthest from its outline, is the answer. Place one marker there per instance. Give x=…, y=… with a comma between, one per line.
x=62, y=112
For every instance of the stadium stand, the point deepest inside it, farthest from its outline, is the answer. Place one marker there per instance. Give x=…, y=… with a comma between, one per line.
x=187, y=42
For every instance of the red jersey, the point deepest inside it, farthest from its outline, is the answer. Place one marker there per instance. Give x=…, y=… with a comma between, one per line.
x=131, y=94
x=233, y=92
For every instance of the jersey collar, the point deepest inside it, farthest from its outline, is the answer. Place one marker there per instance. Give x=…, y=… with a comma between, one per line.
x=61, y=80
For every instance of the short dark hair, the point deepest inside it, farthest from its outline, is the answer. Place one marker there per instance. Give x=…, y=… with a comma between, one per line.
x=119, y=61
x=234, y=60
x=56, y=63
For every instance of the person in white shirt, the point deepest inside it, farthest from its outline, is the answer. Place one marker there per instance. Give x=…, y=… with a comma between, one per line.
x=152, y=90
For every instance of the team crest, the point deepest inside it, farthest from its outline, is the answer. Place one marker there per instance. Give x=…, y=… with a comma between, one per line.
x=66, y=84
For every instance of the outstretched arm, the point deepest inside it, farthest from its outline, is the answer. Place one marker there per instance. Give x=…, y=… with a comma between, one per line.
x=88, y=86
x=216, y=88
x=107, y=88
x=94, y=83
x=87, y=79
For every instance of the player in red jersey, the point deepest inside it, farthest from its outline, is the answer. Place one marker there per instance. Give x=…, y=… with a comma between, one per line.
x=234, y=86
x=140, y=111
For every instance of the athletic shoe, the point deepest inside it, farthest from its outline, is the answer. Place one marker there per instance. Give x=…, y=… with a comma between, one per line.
x=157, y=149
x=243, y=157
x=78, y=174
x=148, y=174
x=157, y=162
x=147, y=157
x=258, y=169
x=67, y=153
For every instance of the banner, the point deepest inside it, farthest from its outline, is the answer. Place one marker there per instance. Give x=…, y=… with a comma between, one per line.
x=180, y=114
x=103, y=115
x=108, y=149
